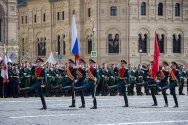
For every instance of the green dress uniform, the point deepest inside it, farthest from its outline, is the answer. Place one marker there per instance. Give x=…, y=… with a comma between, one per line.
x=139, y=80
x=182, y=81
x=132, y=82
x=186, y=75
x=104, y=78
x=122, y=81
x=25, y=77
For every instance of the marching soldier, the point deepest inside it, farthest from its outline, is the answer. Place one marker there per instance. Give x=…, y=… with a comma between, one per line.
x=81, y=72
x=122, y=81
x=70, y=80
x=163, y=77
x=93, y=80
x=174, y=81
x=152, y=84
x=41, y=80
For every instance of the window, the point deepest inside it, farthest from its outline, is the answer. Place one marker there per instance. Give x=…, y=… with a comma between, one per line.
x=89, y=44
x=73, y=12
x=22, y=19
x=35, y=18
x=64, y=48
x=113, y=11
x=58, y=44
x=58, y=15
x=160, y=9
x=25, y=19
x=44, y=17
x=142, y=43
x=63, y=15
x=143, y=9
x=176, y=44
x=23, y=46
x=89, y=12
x=161, y=42
x=0, y=30
x=41, y=46
x=113, y=43
x=177, y=9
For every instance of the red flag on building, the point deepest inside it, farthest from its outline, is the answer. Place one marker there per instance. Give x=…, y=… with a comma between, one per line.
x=4, y=70
x=156, y=56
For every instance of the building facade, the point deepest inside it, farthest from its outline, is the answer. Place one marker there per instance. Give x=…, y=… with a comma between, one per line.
x=8, y=28
x=116, y=29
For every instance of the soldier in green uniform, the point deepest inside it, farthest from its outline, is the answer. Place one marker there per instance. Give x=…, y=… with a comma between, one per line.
x=25, y=75
x=122, y=81
x=104, y=74
x=186, y=75
x=132, y=80
x=139, y=79
x=182, y=81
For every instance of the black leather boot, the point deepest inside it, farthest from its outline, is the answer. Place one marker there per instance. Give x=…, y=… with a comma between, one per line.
x=126, y=101
x=94, y=104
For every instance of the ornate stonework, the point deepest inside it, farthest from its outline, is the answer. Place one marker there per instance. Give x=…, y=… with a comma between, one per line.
x=116, y=23
x=8, y=28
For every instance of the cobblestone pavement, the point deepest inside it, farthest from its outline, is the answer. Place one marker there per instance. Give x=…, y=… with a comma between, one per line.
x=25, y=111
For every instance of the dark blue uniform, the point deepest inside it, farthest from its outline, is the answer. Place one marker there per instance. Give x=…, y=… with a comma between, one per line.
x=40, y=79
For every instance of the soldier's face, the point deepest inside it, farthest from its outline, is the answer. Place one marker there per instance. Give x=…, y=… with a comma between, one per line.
x=71, y=64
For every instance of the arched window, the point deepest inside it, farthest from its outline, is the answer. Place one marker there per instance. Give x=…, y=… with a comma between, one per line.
x=58, y=44
x=89, y=44
x=143, y=9
x=176, y=44
x=41, y=46
x=110, y=43
x=64, y=48
x=113, y=44
x=113, y=11
x=161, y=42
x=0, y=30
x=177, y=9
x=144, y=43
x=139, y=42
x=64, y=45
x=160, y=9
x=23, y=46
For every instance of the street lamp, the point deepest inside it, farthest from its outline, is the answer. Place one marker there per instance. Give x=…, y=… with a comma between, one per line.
x=93, y=31
x=140, y=51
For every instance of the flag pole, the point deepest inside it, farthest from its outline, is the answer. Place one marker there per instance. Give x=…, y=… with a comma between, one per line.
x=3, y=79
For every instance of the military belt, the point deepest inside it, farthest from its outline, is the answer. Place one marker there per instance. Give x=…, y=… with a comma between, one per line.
x=40, y=78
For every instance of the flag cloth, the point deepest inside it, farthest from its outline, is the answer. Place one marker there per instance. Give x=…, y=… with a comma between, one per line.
x=4, y=70
x=75, y=45
x=156, y=56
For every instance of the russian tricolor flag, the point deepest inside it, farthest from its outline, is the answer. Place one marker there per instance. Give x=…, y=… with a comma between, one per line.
x=75, y=46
